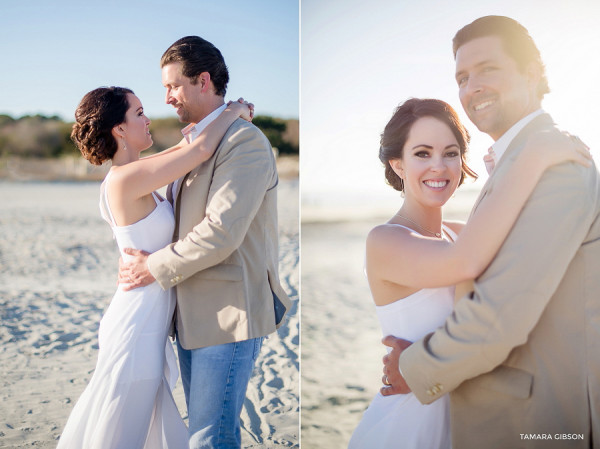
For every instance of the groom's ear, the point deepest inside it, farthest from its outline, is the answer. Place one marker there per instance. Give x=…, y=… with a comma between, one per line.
x=533, y=72
x=204, y=81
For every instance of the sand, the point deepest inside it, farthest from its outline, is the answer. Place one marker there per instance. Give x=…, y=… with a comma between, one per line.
x=341, y=339
x=58, y=267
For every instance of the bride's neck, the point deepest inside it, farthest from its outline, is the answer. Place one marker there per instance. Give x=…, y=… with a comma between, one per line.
x=428, y=217
x=124, y=156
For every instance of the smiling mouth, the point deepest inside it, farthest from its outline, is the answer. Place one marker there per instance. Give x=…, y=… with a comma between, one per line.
x=483, y=105
x=436, y=184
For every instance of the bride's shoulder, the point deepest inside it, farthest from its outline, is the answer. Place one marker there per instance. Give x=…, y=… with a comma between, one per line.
x=121, y=175
x=382, y=235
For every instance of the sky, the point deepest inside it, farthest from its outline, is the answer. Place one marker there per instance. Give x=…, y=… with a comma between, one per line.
x=359, y=62
x=55, y=52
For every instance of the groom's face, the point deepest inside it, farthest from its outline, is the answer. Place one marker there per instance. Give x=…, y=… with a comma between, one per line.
x=184, y=96
x=493, y=91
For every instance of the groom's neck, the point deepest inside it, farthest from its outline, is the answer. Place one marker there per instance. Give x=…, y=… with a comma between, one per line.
x=212, y=103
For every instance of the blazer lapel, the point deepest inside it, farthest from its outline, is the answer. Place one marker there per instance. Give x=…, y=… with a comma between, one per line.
x=484, y=191
x=177, y=206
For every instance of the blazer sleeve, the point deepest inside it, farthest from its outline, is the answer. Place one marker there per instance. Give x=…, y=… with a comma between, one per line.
x=511, y=295
x=244, y=171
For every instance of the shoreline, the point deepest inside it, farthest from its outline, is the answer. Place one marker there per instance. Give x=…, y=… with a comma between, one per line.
x=77, y=169
x=374, y=207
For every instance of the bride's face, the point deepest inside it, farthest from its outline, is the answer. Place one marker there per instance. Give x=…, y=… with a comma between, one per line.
x=137, y=133
x=431, y=163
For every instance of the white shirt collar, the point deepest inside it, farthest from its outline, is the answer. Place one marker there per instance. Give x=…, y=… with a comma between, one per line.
x=190, y=132
x=193, y=130
x=504, y=141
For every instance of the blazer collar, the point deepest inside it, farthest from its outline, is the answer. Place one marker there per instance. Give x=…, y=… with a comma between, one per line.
x=543, y=121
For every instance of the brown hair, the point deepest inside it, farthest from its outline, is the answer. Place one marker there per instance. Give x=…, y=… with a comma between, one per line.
x=396, y=132
x=516, y=41
x=97, y=114
x=197, y=55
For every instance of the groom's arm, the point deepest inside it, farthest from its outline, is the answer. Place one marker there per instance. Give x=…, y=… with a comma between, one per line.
x=511, y=295
x=243, y=173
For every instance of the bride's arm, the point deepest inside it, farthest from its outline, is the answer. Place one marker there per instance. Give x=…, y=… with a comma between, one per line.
x=179, y=145
x=422, y=262
x=141, y=177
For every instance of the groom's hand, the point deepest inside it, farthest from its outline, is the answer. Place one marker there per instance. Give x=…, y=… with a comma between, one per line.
x=393, y=381
x=135, y=273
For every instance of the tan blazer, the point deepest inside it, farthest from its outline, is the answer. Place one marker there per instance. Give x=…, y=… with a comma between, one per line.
x=521, y=355
x=224, y=259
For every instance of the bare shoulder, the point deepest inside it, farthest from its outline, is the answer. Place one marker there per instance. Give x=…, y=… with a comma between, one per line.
x=380, y=237
x=119, y=176
x=379, y=232
x=124, y=175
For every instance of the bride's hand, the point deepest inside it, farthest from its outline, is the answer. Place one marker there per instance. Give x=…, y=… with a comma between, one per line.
x=555, y=147
x=244, y=108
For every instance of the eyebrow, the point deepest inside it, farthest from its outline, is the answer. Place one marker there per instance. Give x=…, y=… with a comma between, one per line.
x=141, y=107
x=429, y=147
x=479, y=64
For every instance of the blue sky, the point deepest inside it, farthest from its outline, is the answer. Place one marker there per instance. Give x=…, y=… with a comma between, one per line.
x=55, y=52
x=373, y=56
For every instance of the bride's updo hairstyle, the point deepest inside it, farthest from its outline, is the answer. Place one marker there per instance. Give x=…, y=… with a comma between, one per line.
x=396, y=133
x=97, y=114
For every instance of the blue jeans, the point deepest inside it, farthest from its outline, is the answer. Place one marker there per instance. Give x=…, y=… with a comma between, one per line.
x=215, y=380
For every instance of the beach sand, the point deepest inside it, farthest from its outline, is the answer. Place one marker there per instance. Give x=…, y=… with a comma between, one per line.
x=341, y=339
x=58, y=265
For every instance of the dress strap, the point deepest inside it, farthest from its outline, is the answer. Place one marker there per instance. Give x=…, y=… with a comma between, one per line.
x=406, y=227
x=157, y=198
x=450, y=233
x=104, y=205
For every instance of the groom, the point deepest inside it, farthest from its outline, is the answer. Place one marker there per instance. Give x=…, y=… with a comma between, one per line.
x=224, y=259
x=520, y=355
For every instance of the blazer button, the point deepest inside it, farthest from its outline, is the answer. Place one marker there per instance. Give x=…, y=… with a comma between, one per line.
x=429, y=392
x=437, y=388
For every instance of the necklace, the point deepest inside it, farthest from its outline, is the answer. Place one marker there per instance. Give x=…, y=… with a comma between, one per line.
x=437, y=234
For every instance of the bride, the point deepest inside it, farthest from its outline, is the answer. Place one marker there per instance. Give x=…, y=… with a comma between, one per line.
x=128, y=402
x=414, y=259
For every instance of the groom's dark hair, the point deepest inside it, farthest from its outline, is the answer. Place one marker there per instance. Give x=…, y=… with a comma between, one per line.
x=516, y=41
x=197, y=55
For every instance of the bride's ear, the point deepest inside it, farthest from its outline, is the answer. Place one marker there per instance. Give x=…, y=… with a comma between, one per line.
x=118, y=131
x=397, y=166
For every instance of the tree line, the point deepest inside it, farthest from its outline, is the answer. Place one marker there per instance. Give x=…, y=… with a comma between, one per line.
x=39, y=136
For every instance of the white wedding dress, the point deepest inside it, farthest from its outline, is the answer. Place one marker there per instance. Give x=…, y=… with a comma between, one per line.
x=128, y=403
x=401, y=421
